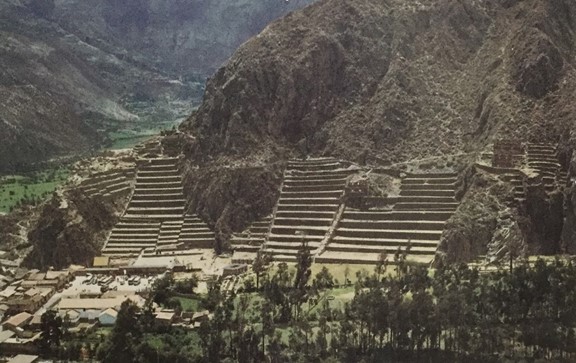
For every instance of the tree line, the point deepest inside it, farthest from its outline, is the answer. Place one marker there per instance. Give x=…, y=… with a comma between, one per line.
x=398, y=313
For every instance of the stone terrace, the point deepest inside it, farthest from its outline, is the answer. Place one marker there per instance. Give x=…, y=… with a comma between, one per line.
x=154, y=221
x=112, y=183
x=247, y=243
x=417, y=219
x=535, y=158
x=543, y=159
x=309, y=201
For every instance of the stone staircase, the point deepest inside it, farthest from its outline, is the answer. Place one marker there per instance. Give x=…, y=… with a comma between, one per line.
x=154, y=221
x=109, y=184
x=130, y=236
x=308, y=203
x=517, y=182
x=149, y=149
x=247, y=243
x=158, y=191
x=417, y=219
x=195, y=233
x=543, y=159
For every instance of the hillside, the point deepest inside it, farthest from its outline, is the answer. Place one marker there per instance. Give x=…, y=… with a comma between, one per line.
x=71, y=71
x=384, y=76
x=383, y=82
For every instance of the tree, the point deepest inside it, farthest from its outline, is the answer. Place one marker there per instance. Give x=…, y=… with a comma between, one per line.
x=51, y=325
x=186, y=286
x=346, y=275
x=162, y=289
x=127, y=332
x=382, y=263
x=304, y=262
x=324, y=279
x=259, y=266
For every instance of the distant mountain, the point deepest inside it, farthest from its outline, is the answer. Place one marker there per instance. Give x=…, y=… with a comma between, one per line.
x=68, y=68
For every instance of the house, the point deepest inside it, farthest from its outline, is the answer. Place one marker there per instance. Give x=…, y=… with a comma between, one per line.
x=70, y=317
x=9, y=263
x=24, y=358
x=17, y=321
x=35, y=324
x=108, y=317
x=165, y=317
x=8, y=292
x=31, y=292
x=18, y=345
x=36, y=276
x=99, y=304
x=101, y=261
x=5, y=335
x=58, y=278
x=22, y=303
x=201, y=316
x=89, y=316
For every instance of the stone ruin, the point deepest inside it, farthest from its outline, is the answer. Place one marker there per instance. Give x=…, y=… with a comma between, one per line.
x=508, y=154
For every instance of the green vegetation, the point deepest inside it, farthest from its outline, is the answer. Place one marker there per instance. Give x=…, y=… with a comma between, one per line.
x=189, y=304
x=29, y=188
x=395, y=313
x=123, y=136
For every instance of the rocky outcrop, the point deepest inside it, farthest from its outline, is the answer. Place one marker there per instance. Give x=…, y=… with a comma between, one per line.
x=477, y=226
x=229, y=198
x=544, y=215
x=71, y=229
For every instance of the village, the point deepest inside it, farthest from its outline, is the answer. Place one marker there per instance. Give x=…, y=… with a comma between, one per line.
x=87, y=299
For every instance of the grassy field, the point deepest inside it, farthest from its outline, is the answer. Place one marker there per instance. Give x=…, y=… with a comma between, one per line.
x=189, y=304
x=129, y=136
x=338, y=271
x=36, y=186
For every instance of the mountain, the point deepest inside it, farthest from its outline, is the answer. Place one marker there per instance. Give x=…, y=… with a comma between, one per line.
x=395, y=79
x=71, y=71
x=384, y=82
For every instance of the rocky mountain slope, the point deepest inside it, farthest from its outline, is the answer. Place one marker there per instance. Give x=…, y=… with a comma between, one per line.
x=187, y=37
x=389, y=81
x=383, y=76
x=68, y=68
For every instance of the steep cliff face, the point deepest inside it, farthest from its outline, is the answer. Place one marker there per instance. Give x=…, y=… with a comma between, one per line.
x=389, y=81
x=71, y=229
x=231, y=197
x=401, y=80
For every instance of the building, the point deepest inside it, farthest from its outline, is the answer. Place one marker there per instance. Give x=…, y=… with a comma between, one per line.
x=17, y=322
x=234, y=269
x=24, y=358
x=200, y=316
x=99, y=304
x=89, y=316
x=108, y=317
x=19, y=302
x=17, y=345
x=101, y=261
x=165, y=317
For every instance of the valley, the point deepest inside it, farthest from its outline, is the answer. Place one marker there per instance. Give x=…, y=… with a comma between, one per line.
x=355, y=181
